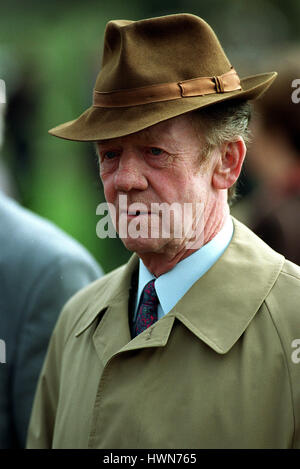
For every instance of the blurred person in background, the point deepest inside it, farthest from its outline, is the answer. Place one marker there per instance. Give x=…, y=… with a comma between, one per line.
x=41, y=267
x=6, y=184
x=21, y=114
x=272, y=209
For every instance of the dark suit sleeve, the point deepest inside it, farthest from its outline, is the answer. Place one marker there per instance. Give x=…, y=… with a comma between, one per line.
x=48, y=293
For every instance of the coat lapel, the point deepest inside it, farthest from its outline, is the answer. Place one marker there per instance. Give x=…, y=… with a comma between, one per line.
x=221, y=304
x=109, y=306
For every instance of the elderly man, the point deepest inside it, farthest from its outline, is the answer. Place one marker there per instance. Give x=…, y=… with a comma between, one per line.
x=192, y=344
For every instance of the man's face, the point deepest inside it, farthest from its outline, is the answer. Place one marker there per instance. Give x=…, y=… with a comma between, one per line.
x=161, y=164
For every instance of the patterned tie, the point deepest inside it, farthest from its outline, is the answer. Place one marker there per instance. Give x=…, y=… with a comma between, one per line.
x=147, y=312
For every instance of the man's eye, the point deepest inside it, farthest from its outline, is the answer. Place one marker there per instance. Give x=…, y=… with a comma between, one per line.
x=110, y=154
x=155, y=151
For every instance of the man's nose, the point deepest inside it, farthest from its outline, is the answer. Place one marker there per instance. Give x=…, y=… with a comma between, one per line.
x=130, y=175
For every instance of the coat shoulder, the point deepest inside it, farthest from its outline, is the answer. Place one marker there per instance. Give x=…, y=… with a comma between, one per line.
x=286, y=289
x=283, y=303
x=289, y=268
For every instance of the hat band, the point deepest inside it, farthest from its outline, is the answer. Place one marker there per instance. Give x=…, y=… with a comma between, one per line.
x=201, y=86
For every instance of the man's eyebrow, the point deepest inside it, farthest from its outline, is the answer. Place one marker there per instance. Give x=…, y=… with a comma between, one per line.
x=146, y=134
x=102, y=142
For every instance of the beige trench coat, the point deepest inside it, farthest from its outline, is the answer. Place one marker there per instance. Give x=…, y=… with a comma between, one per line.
x=218, y=371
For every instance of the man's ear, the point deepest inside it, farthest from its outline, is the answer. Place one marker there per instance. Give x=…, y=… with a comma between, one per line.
x=229, y=164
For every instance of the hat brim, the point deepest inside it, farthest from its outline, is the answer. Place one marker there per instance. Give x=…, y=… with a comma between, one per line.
x=98, y=123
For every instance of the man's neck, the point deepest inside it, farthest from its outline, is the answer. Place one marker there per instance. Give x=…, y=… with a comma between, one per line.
x=160, y=263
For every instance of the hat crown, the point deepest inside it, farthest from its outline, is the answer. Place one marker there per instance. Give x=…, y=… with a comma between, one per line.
x=159, y=50
x=157, y=69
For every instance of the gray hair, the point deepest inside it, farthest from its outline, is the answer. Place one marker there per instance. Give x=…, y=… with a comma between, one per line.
x=223, y=122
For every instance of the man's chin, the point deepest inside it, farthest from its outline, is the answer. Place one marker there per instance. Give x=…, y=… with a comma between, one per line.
x=144, y=245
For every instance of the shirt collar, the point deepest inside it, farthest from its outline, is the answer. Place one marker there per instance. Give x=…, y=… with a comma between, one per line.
x=172, y=286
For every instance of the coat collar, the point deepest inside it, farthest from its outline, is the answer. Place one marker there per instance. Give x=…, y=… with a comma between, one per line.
x=217, y=309
x=223, y=302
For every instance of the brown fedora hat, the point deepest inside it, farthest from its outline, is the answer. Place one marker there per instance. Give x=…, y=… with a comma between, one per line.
x=156, y=69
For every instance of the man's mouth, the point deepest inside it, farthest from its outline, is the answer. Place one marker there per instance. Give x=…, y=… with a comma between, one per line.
x=137, y=213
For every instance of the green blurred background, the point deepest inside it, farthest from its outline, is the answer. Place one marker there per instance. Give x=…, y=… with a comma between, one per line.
x=50, y=54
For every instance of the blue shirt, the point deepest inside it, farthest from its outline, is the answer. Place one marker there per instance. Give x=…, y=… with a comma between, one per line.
x=172, y=286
